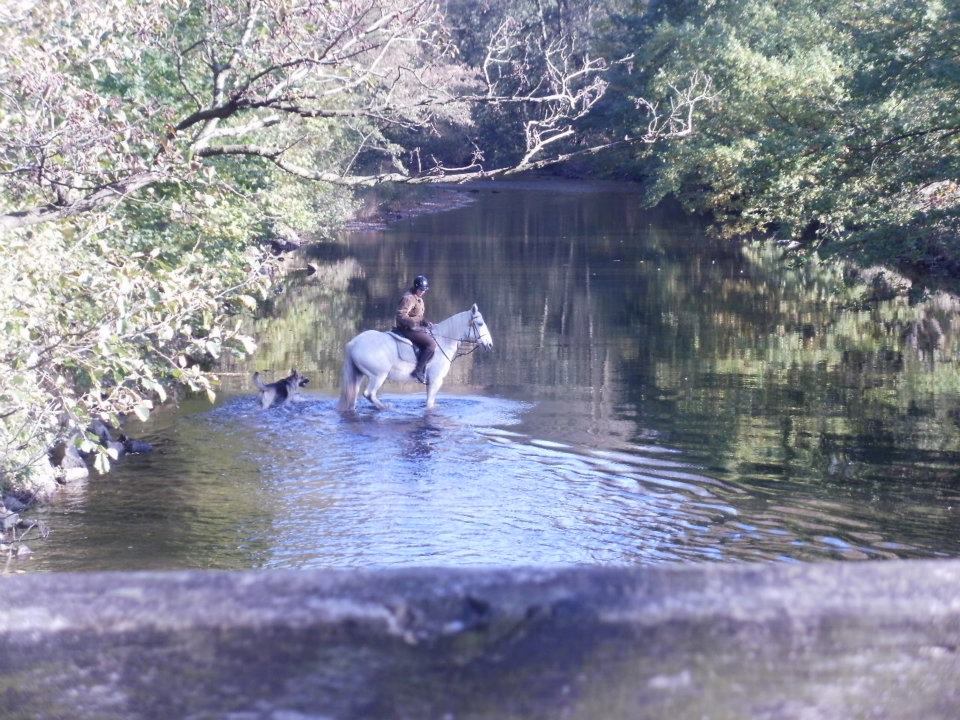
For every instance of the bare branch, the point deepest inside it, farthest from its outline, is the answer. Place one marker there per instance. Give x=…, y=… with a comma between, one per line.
x=679, y=121
x=437, y=175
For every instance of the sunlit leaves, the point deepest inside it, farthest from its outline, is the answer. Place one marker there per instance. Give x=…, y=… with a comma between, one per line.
x=104, y=318
x=834, y=118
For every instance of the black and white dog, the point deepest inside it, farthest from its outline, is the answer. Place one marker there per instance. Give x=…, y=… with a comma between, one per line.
x=280, y=391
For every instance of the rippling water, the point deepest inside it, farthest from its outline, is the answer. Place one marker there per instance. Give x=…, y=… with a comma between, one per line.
x=654, y=396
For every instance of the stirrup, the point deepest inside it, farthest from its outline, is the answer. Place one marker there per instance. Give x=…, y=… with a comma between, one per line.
x=419, y=376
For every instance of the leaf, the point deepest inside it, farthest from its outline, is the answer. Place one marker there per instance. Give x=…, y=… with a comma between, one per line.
x=102, y=463
x=155, y=387
x=142, y=410
x=249, y=344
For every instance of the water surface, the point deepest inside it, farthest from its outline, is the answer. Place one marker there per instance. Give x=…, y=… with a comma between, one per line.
x=655, y=395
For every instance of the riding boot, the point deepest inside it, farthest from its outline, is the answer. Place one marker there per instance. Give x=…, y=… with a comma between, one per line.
x=420, y=374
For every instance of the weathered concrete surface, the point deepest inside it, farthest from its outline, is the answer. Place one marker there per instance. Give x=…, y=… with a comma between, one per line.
x=833, y=641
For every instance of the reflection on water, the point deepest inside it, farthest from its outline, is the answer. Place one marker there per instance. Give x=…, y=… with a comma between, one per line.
x=655, y=396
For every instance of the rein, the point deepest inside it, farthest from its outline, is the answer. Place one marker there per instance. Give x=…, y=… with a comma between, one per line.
x=457, y=353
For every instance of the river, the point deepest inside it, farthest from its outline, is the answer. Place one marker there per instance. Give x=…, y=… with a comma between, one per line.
x=654, y=395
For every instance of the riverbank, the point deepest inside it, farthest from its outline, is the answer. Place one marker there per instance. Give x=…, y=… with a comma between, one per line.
x=383, y=205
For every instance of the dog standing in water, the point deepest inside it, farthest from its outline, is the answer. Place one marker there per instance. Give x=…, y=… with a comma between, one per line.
x=280, y=391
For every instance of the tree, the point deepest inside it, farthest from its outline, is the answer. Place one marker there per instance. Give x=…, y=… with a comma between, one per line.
x=837, y=125
x=144, y=145
x=265, y=79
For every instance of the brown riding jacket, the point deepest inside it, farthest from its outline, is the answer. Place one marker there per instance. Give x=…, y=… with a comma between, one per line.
x=410, y=312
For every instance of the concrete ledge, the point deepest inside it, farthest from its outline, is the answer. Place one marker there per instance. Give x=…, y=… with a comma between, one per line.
x=844, y=640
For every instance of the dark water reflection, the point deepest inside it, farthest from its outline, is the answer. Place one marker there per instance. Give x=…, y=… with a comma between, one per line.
x=654, y=396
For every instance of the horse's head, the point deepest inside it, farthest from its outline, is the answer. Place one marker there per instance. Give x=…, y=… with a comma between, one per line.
x=479, y=332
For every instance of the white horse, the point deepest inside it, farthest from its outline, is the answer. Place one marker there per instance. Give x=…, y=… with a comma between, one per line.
x=381, y=356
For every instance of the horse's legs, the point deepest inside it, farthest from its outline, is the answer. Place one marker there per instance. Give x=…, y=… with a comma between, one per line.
x=432, y=389
x=436, y=373
x=373, y=387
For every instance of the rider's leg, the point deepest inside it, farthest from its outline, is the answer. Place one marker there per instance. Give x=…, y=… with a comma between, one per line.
x=427, y=345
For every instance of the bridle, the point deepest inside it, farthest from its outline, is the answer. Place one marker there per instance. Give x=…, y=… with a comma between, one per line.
x=475, y=341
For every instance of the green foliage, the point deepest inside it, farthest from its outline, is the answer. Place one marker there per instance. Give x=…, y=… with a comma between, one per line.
x=101, y=318
x=102, y=315
x=835, y=121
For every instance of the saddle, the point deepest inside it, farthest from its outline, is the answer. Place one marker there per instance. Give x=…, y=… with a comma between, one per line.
x=400, y=338
x=404, y=341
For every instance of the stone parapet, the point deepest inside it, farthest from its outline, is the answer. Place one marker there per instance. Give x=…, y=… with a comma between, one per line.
x=831, y=640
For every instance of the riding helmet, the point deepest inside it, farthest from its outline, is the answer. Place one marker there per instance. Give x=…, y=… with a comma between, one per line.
x=420, y=283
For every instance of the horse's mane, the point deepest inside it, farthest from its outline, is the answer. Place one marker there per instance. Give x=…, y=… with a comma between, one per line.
x=455, y=324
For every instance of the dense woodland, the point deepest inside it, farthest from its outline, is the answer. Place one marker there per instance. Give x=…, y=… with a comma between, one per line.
x=148, y=152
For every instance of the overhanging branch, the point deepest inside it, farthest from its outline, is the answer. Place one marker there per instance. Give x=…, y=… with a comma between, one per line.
x=439, y=175
x=104, y=195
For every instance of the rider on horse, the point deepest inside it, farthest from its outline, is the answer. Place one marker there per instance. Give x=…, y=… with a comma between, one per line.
x=411, y=325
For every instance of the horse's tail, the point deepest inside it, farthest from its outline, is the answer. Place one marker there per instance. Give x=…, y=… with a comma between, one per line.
x=258, y=382
x=350, y=383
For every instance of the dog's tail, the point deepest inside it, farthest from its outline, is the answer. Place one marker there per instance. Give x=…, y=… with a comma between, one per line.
x=258, y=382
x=350, y=383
